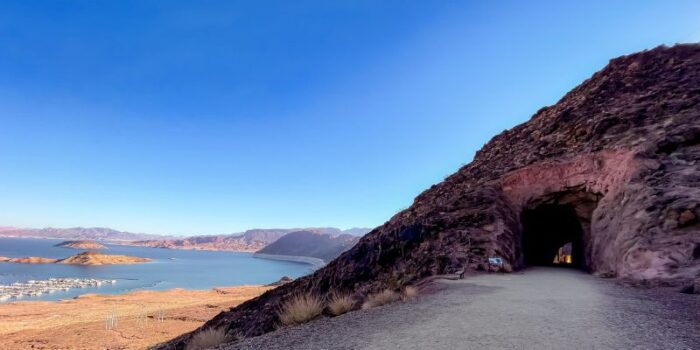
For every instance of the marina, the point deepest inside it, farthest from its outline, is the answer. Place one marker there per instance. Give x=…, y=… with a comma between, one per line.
x=31, y=288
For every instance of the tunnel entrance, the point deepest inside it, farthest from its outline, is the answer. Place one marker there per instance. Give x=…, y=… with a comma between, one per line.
x=555, y=229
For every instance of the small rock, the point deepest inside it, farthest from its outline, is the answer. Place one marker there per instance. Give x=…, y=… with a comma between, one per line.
x=685, y=217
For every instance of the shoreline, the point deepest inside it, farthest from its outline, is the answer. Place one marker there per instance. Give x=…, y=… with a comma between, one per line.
x=315, y=263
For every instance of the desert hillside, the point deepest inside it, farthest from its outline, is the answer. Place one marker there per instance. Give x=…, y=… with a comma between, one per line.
x=143, y=318
x=617, y=155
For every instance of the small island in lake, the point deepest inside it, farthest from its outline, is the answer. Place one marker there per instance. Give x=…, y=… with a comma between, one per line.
x=85, y=258
x=28, y=260
x=92, y=245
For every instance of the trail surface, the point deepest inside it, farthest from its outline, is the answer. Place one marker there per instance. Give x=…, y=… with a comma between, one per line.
x=540, y=308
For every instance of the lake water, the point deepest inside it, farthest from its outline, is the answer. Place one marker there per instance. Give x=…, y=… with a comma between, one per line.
x=188, y=269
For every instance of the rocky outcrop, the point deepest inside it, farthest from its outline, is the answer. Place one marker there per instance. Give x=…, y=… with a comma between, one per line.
x=619, y=155
x=91, y=245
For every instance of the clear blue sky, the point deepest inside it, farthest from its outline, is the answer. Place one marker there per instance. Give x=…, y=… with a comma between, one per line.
x=203, y=117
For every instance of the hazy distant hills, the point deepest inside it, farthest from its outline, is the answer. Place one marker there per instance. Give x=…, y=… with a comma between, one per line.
x=311, y=244
x=248, y=241
x=323, y=243
x=77, y=233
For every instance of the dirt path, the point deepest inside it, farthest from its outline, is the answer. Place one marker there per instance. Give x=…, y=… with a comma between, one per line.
x=543, y=308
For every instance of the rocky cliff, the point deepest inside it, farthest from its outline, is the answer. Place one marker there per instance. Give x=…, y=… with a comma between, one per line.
x=618, y=157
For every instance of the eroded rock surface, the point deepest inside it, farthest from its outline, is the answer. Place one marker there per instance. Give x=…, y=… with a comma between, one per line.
x=622, y=150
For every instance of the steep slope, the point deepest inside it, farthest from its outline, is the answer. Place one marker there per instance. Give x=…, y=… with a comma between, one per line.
x=312, y=244
x=618, y=155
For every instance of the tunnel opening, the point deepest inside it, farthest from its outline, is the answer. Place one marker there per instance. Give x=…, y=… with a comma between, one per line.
x=555, y=230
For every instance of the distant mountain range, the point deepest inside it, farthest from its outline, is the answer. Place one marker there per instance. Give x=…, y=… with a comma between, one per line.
x=77, y=233
x=248, y=241
x=311, y=244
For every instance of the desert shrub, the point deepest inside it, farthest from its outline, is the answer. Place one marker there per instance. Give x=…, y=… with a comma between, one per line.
x=340, y=304
x=410, y=292
x=300, y=309
x=207, y=338
x=386, y=296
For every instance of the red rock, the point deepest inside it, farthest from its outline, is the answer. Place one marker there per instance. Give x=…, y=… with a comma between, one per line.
x=617, y=159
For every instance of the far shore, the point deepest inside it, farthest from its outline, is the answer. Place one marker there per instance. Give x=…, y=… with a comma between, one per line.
x=141, y=318
x=316, y=263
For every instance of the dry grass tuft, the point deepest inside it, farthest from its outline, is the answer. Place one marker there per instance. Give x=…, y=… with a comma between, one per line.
x=384, y=297
x=207, y=338
x=410, y=292
x=340, y=304
x=300, y=309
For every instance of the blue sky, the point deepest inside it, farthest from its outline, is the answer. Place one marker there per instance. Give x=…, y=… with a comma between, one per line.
x=209, y=117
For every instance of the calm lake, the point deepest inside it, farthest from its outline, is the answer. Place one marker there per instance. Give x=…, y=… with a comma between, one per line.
x=170, y=268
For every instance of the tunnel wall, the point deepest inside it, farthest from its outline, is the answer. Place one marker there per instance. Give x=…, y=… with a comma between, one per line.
x=604, y=176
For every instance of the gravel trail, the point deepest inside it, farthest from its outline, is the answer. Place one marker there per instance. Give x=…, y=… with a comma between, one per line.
x=540, y=308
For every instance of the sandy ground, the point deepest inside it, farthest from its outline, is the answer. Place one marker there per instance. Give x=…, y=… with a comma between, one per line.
x=138, y=319
x=542, y=308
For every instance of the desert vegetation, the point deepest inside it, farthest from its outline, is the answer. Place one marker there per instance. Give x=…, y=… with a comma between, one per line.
x=409, y=293
x=340, y=303
x=384, y=297
x=300, y=309
x=207, y=338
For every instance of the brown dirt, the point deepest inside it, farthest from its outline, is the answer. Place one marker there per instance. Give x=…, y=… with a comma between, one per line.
x=80, y=323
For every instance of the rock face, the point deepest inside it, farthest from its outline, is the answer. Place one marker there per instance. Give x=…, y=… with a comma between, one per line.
x=91, y=245
x=316, y=245
x=613, y=167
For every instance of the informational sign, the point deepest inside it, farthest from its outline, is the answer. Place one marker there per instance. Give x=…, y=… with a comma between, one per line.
x=496, y=261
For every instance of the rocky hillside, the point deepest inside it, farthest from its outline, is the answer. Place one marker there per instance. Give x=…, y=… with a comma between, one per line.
x=619, y=154
x=77, y=233
x=248, y=241
x=312, y=244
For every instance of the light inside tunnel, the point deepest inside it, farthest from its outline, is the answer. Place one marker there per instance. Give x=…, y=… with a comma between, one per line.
x=563, y=256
